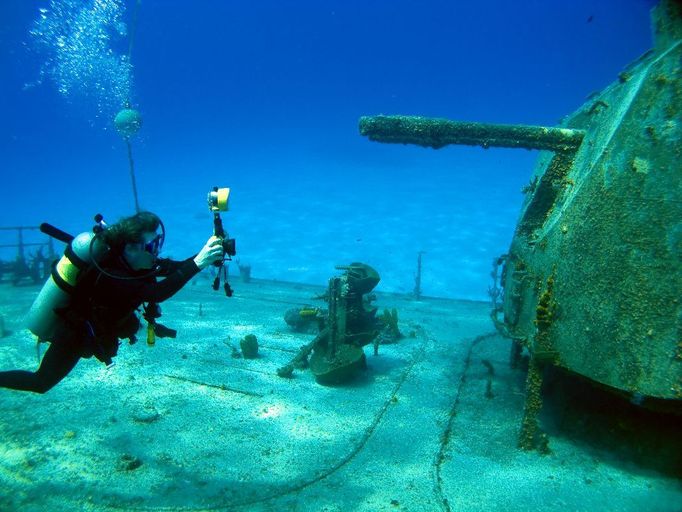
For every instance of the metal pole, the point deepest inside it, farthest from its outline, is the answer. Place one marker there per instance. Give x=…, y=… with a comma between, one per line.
x=132, y=174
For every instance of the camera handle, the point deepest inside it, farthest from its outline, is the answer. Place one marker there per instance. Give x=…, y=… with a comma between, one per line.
x=219, y=231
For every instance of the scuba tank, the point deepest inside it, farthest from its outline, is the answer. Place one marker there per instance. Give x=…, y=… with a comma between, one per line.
x=57, y=291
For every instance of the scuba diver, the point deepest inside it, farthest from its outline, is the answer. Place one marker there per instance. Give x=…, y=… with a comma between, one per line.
x=110, y=288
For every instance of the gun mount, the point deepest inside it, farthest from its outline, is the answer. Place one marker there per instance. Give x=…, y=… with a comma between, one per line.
x=350, y=324
x=593, y=276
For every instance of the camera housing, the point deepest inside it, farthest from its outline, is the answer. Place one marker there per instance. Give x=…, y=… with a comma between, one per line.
x=218, y=199
x=229, y=246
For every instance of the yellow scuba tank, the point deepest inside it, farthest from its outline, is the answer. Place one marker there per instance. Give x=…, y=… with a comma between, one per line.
x=57, y=291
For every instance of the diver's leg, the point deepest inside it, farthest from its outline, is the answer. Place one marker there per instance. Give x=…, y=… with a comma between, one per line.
x=58, y=361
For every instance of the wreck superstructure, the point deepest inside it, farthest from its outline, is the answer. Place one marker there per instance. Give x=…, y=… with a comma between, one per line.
x=593, y=277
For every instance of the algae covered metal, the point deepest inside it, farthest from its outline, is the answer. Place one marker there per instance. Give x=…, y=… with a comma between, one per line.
x=350, y=323
x=593, y=278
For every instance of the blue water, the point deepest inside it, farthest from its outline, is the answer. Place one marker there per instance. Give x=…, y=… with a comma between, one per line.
x=265, y=97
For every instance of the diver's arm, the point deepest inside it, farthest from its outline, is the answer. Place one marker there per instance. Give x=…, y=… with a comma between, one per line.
x=167, y=266
x=166, y=288
x=211, y=252
x=159, y=291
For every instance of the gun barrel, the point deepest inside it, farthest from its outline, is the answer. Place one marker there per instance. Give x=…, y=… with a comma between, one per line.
x=436, y=133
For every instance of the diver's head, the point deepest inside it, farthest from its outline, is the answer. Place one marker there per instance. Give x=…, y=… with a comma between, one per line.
x=138, y=239
x=141, y=255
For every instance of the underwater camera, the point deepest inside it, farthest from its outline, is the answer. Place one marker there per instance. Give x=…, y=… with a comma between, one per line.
x=218, y=200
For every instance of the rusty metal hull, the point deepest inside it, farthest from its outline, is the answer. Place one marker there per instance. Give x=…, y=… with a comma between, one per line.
x=593, y=279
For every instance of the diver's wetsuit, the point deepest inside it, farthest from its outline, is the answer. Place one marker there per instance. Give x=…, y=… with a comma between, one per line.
x=102, y=311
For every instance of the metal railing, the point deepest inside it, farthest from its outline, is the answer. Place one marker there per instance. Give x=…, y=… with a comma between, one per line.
x=27, y=265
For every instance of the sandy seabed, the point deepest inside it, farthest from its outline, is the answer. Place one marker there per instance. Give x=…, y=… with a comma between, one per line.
x=185, y=426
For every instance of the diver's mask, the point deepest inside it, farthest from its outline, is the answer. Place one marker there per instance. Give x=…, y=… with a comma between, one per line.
x=154, y=246
x=142, y=255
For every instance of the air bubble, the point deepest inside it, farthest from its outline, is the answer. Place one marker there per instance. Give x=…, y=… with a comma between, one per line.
x=80, y=42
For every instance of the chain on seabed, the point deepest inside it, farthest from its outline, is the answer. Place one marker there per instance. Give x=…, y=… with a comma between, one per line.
x=78, y=42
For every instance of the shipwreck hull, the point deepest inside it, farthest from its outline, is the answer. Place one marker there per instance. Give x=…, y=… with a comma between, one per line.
x=593, y=279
